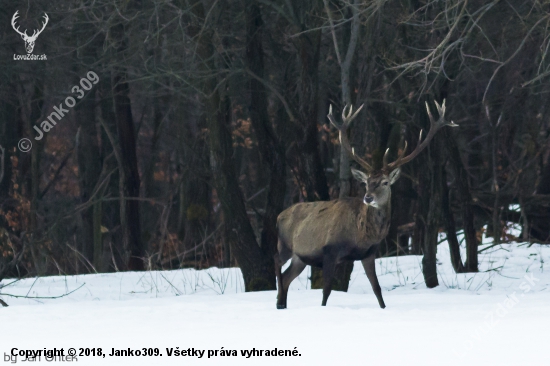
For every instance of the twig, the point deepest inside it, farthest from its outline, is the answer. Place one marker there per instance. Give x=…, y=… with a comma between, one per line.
x=86, y=259
x=42, y=297
x=331, y=21
x=183, y=254
x=16, y=256
x=56, y=174
x=2, y=155
x=170, y=283
x=489, y=247
x=511, y=57
x=255, y=194
x=281, y=98
x=113, y=257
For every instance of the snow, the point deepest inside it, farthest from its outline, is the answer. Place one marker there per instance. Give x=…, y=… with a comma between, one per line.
x=497, y=316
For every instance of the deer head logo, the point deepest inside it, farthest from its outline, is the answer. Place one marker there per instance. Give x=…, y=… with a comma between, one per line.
x=29, y=40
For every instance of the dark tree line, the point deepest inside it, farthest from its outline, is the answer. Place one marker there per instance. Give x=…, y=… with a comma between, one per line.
x=210, y=118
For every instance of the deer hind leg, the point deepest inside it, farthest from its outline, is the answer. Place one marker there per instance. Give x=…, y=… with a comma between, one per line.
x=370, y=270
x=296, y=267
x=329, y=267
x=278, y=276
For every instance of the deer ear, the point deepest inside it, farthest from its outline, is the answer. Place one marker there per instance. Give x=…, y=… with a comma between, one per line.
x=359, y=175
x=394, y=175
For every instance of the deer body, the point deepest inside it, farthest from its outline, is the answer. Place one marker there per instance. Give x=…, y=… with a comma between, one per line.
x=324, y=234
x=307, y=230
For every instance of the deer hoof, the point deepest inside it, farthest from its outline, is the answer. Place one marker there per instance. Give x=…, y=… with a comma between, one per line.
x=280, y=306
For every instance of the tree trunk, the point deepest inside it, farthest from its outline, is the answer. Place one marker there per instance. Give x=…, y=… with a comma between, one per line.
x=127, y=141
x=465, y=197
x=450, y=227
x=400, y=199
x=307, y=160
x=270, y=148
x=429, y=248
x=345, y=172
x=429, y=187
x=196, y=199
x=397, y=243
x=258, y=272
x=40, y=262
x=9, y=122
x=307, y=163
x=342, y=273
x=89, y=167
x=110, y=210
x=539, y=223
x=87, y=145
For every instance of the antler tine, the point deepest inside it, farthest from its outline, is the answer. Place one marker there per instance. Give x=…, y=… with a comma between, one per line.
x=350, y=117
x=343, y=135
x=385, y=165
x=46, y=19
x=13, y=19
x=385, y=159
x=344, y=111
x=421, y=145
x=440, y=109
x=331, y=119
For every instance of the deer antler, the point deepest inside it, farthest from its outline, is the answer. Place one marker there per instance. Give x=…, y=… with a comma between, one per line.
x=36, y=33
x=24, y=34
x=13, y=19
x=434, y=127
x=343, y=129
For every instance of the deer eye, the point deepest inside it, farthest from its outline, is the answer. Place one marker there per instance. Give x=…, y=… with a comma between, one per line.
x=385, y=183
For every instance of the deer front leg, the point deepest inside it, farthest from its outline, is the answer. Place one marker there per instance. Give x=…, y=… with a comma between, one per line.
x=329, y=266
x=370, y=270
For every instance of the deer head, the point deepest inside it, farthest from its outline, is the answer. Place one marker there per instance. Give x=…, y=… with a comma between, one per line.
x=378, y=182
x=377, y=186
x=29, y=40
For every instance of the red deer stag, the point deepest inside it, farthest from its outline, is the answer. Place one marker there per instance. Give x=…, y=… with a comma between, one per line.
x=325, y=233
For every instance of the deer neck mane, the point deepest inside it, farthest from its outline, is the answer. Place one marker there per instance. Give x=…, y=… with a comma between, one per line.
x=377, y=219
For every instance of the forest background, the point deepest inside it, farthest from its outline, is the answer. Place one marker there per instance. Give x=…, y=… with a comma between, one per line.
x=209, y=118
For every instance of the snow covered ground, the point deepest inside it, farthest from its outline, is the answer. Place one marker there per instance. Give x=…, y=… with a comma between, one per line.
x=499, y=316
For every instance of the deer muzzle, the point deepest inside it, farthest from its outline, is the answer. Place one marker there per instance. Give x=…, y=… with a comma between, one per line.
x=369, y=200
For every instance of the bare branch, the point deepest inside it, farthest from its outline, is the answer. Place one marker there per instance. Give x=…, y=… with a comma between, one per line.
x=434, y=127
x=331, y=21
x=270, y=87
x=2, y=157
x=343, y=129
